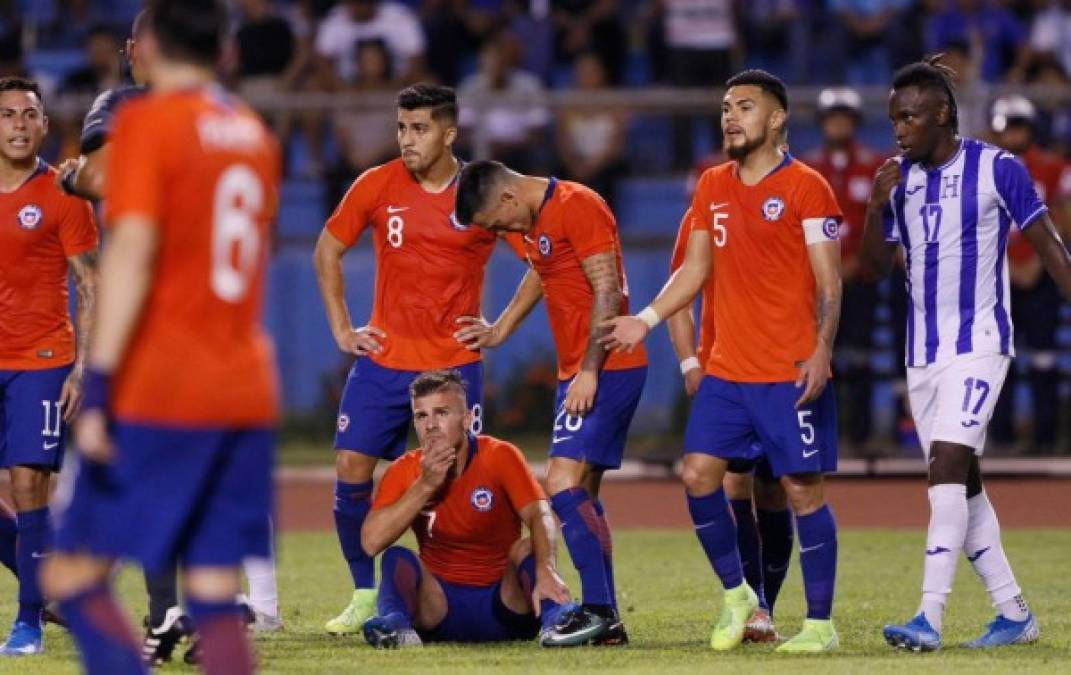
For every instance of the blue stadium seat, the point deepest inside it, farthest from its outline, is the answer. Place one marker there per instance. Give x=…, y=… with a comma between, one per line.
x=301, y=208
x=650, y=205
x=54, y=63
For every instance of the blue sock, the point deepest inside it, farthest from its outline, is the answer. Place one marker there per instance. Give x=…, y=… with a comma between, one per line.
x=775, y=530
x=34, y=543
x=747, y=541
x=818, y=559
x=580, y=530
x=606, y=541
x=400, y=576
x=717, y=534
x=102, y=633
x=224, y=643
x=548, y=609
x=8, y=538
x=352, y=502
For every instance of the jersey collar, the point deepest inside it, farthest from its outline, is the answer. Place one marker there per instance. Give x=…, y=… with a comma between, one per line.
x=552, y=183
x=40, y=168
x=785, y=161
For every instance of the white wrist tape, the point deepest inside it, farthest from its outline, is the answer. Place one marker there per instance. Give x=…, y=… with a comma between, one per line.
x=649, y=316
x=689, y=363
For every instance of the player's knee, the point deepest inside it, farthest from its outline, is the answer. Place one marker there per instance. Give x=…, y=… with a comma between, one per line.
x=805, y=492
x=397, y=556
x=770, y=496
x=562, y=477
x=698, y=480
x=737, y=485
x=950, y=463
x=64, y=576
x=354, y=467
x=29, y=489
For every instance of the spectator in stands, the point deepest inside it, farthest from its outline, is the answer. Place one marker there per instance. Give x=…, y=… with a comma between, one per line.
x=10, y=40
x=509, y=128
x=1051, y=32
x=849, y=167
x=530, y=21
x=454, y=30
x=353, y=21
x=591, y=138
x=590, y=25
x=103, y=66
x=266, y=52
x=995, y=35
x=1035, y=297
x=1054, y=128
x=859, y=31
x=775, y=35
x=973, y=112
x=365, y=136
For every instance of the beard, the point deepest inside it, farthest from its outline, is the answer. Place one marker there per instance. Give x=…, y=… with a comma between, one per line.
x=741, y=151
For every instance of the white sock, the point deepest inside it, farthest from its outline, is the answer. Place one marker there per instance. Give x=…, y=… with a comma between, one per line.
x=260, y=573
x=944, y=540
x=986, y=555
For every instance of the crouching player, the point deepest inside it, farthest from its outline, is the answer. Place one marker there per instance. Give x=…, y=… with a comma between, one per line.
x=465, y=497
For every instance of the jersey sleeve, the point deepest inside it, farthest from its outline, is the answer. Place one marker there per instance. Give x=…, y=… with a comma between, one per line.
x=98, y=123
x=516, y=476
x=680, y=247
x=818, y=210
x=136, y=180
x=77, y=229
x=888, y=223
x=1018, y=194
x=515, y=242
x=591, y=227
x=396, y=480
x=700, y=205
x=354, y=212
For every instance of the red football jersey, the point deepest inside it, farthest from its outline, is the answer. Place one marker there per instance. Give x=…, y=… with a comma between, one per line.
x=1052, y=178
x=466, y=535
x=850, y=173
x=204, y=170
x=40, y=227
x=428, y=272
x=574, y=224
x=764, y=287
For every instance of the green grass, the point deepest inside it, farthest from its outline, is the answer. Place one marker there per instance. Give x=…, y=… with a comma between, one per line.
x=669, y=599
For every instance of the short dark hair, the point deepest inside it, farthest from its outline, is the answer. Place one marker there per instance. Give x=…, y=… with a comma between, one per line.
x=474, y=185
x=189, y=30
x=22, y=84
x=769, y=83
x=142, y=21
x=436, y=380
x=442, y=100
x=931, y=74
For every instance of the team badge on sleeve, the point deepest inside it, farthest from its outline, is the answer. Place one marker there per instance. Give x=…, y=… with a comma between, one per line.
x=817, y=230
x=544, y=245
x=30, y=216
x=772, y=208
x=482, y=499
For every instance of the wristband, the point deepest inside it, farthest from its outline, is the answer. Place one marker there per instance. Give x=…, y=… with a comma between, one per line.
x=649, y=316
x=688, y=364
x=96, y=386
x=67, y=182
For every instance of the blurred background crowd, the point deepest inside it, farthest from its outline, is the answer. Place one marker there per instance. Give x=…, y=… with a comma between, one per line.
x=621, y=95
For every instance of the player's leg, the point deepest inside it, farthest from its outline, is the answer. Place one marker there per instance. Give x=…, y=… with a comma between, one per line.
x=373, y=420
x=581, y=528
x=264, y=588
x=166, y=625
x=210, y=592
x=518, y=582
x=410, y=597
x=738, y=486
x=8, y=534
x=775, y=530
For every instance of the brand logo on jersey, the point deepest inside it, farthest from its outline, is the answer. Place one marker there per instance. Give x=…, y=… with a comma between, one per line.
x=772, y=208
x=482, y=499
x=544, y=245
x=914, y=190
x=30, y=216
x=831, y=228
x=343, y=422
x=456, y=224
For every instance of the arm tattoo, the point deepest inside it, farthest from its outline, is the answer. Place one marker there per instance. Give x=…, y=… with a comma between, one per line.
x=84, y=269
x=829, y=313
x=601, y=271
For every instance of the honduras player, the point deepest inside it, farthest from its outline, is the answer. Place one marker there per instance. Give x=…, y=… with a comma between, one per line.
x=950, y=202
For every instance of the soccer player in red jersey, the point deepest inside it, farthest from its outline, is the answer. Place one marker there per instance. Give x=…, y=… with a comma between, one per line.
x=177, y=431
x=568, y=236
x=44, y=234
x=767, y=225
x=465, y=498
x=429, y=273
x=1034, y=296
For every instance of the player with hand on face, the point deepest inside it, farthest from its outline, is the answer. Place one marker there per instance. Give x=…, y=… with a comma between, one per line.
x=465, y=498
x=568, y=236
x=766, y=226
x=44, y=235
x=949, y=203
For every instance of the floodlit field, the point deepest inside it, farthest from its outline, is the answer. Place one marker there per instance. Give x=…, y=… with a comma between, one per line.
x=669, y=598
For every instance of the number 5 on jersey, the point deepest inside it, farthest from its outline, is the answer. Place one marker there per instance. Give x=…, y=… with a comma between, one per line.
x=720, y=233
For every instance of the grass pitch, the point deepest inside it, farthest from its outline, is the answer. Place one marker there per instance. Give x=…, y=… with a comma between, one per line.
x=669, y=599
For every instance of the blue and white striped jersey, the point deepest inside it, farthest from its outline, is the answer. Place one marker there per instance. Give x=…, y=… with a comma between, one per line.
x=952, y=222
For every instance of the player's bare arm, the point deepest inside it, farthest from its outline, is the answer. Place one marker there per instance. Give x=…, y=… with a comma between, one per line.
x=1051, y=250
x=628, y=331
x=814, y=372
x=681, y=327
x=876, y=255
x=84, y=270
x=385, y=525
x=126, y=270
x=84, y=176
x=475, y=333
x=601, y=272
x=328, y=262
x=542, y=528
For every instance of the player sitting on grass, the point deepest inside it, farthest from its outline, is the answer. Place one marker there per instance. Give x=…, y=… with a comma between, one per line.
x=465, y=497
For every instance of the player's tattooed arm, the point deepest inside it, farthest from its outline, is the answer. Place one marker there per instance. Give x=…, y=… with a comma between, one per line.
x=1054, y=255
x=876, y=255
x=84, y=270
x=814, y=372
x=601, y=272
x=543, y=529
x=475, y=333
